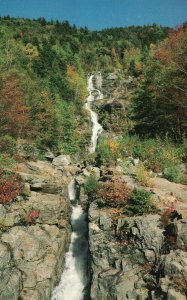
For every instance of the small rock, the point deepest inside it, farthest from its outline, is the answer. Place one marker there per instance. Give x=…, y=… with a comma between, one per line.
x=86, y=173
x=135, y=231
x=105, y=222
x=36, y=186
x=26, y=189
x=136, y=161
x=150, y=255
x=49, y=155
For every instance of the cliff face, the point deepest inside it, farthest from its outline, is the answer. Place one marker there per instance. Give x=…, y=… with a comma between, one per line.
x=113, y=108
x=130, y=257
x=34, y=234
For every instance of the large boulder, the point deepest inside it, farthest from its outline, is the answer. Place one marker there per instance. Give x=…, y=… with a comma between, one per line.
x=38, y=252
x=10, y=277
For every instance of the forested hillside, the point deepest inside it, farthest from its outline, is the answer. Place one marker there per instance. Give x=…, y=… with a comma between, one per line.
x=43, y=70
x=93, y=124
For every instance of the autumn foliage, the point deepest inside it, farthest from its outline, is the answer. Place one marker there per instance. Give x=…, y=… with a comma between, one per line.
x=33, y=215
x=10, y=186
x=14, y=112
x=113, y=193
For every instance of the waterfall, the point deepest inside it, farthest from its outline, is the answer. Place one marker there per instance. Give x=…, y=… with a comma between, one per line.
x=96, y=127
x=75, y=279
x=75, y=276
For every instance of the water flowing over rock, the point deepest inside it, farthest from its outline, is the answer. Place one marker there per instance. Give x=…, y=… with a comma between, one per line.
x=75, y=276
x=96, y=128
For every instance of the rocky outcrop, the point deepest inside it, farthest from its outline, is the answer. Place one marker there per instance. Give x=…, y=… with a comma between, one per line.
x=35, y=234
x=129, y=257
x=113, y=108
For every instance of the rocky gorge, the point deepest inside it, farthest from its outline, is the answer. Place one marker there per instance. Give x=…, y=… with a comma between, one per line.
x=131, y=257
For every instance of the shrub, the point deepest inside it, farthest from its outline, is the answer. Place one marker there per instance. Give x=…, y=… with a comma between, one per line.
x=32, y=216
x=108, y=150
x=10, y=186
x=143, y=176
x=7, y=144
x=173, y=174
x=158, y=154
x=113, y=193
x=6, y=161
x=91, y=184
x=140, y=202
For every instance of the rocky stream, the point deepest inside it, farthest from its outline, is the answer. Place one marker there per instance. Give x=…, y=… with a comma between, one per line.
x=76, y=250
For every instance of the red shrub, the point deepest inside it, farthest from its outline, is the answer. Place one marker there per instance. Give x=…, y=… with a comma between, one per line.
x=10, y=186
x=33, y=215
x=113, y=193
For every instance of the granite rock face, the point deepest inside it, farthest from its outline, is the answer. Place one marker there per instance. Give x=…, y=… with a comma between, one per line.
x=32, y=251
x=128, y=259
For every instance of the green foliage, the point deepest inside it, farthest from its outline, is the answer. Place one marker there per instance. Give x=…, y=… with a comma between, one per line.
x=157, y=154
x=142, y=175
x=108, y=150
x=140, y=202
x=159, y=102
x=173, y=174
x=67, y=125
x=7, y=144
x=6, y=162
x=91, y=184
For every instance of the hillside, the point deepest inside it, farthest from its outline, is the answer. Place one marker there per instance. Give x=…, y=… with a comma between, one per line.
x=93, y=158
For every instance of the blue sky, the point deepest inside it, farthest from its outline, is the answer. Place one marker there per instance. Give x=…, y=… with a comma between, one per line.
x=97, y=14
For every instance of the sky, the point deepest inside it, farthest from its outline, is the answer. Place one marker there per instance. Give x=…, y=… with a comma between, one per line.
x=99, y=14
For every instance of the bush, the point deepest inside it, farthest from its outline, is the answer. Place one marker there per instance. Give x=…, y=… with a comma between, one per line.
x=142, y=176
x=32, y=216
x=140, y=202
x=108, y=150
x=6, y=161
x=91, y=184
x=158, y=154
x=7, y=144
x=10, y=186
x=113, y=193
x=173, y=174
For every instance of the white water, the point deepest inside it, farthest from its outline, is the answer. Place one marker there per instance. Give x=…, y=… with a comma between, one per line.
x=74, y=277
x=96, y=128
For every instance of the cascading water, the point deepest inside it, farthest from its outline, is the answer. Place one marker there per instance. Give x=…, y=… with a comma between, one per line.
x=96, y=128
x=75, y=279
x=75, y=276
